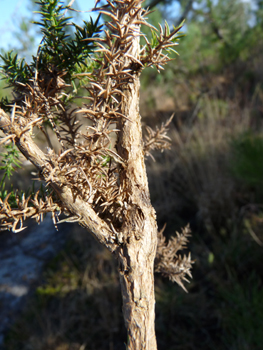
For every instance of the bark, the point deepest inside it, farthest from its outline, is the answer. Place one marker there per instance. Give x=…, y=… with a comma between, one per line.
x=137, y=284
x=136, y=256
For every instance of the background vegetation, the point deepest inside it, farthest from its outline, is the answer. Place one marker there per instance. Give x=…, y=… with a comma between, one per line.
x=212, y=178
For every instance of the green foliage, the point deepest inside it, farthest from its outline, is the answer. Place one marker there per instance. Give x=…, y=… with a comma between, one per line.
x=230, y=24
x=192, y=46
x=59, y=53
x=57, y=47
x=259, y=12
x=218, y=33
x=242, y=313
x=5, y=94
x=247, y=164
x=14, y=69
x=10, y=161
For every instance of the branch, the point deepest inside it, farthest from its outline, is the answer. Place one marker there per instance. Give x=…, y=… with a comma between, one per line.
x=184, y=15
x=152, y=53
x=154, y=3
x=75, y=205
x=10, y=218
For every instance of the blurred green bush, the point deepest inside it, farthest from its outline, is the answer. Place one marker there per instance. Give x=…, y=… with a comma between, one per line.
x=247, y=160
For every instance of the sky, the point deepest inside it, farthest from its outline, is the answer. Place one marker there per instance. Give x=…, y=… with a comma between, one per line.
x=11, y=10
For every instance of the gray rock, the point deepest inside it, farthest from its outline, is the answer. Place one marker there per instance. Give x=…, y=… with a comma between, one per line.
x=22, y=257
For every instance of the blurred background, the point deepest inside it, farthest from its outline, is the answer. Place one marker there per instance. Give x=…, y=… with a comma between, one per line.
x=211, y=178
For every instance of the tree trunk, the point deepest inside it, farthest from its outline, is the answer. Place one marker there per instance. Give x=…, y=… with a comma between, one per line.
x=137, y=284
x=136, y=255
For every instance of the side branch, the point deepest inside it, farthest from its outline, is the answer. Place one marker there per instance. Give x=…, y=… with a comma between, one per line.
x=75, y=205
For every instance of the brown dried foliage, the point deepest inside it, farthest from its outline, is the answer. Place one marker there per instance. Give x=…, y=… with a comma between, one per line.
x=168, y=262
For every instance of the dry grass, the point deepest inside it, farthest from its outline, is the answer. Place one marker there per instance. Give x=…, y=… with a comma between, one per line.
x=196, y=175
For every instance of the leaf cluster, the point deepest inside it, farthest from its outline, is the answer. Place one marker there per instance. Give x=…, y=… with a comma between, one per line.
x=58, y=48
x=246, y=163
x=14, y=69
x=10, y=160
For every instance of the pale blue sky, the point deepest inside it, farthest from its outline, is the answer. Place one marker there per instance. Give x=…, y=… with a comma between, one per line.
x=11, y=10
